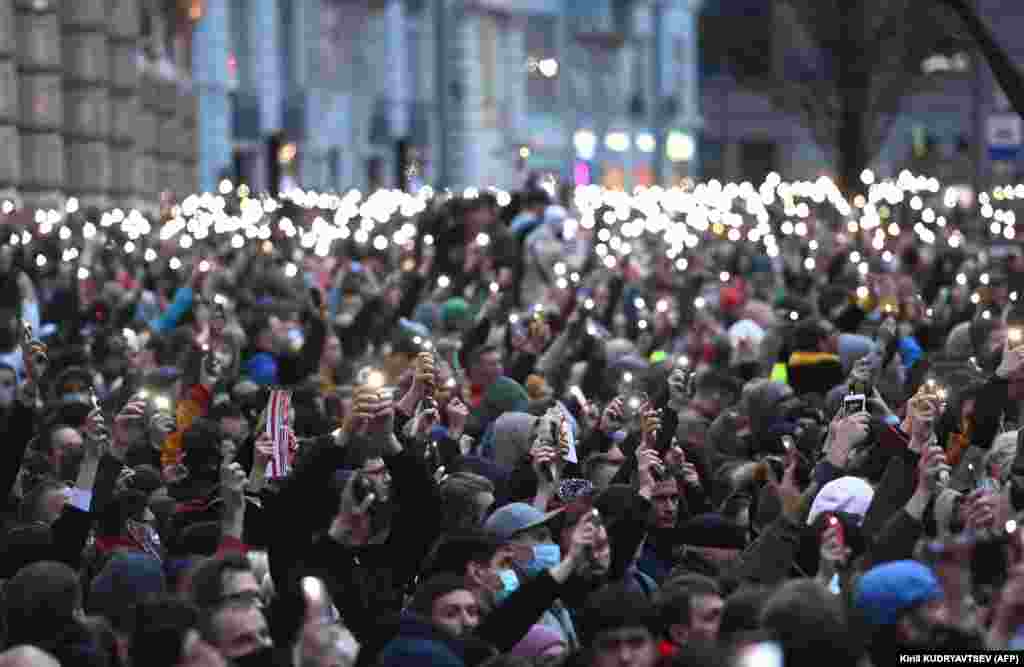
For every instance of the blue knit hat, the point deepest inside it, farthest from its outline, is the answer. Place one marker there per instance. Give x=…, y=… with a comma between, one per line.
x=887, y=591
x=262, y=369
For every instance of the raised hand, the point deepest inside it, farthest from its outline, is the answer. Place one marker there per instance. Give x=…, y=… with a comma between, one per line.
x=833, y=554
x=34, y=354
x=922, y=411
x=677, y=382
x=424, y=420
x=650, y=424
x=364, y=410
x=232, y=485
x=649, y=467
x=611, y=418
x=352, y=523
x=788, y=490
x=97, y=437
x=847, y=433
x=582, y=542
x=425, y=380
x=932, y=472
x=263, y=450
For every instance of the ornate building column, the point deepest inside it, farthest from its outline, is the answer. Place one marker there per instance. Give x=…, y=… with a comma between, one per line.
x=125, y=106
x=397, y=57
x=86, y=83
x=10, y=148
x=40, y=103
x=678, y=97
x=210, y=52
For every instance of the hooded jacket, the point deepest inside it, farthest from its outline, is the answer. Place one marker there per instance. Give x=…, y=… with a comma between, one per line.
x=419, y=642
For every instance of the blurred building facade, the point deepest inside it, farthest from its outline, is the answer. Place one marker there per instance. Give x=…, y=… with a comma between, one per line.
x=96, y=102
x=329, y=94
x=943, y=127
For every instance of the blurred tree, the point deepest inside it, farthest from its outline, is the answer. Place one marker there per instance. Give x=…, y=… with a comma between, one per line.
x=1006, y=73
x=843, y=66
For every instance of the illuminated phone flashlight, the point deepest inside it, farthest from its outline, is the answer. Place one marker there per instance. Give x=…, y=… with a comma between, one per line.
x=161, y=403
x=588, y=303
x=143, y=394
x=495, y=287
x=627, y=377
x=1011, y=526
x=639, y=303
x=793, y=315
x=375, y=379
x=428, y=240
x=483, y=240
x=634, y=403
x=313, y=589
x=724, y=276
x=220, y=300
x=863, y=292
x=1015, y=335
x=450, y=383
x=662, y=305
x=787, y=442
x=930, y=312
x=1013, y=296
x=699, y=303
x=683, y=362
x=443, y=282
x=513, y=318
x=984, y=279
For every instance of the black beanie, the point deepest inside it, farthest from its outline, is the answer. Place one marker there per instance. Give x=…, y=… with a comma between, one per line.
x=433, y=588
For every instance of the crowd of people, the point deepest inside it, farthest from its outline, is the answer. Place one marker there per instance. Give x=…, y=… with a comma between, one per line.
x=499, y=448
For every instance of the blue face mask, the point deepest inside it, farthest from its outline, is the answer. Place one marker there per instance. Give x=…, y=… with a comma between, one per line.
x=509, y=585
x=545, y=557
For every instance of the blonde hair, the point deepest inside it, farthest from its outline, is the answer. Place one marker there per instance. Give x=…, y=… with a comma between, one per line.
x=1001, y=454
